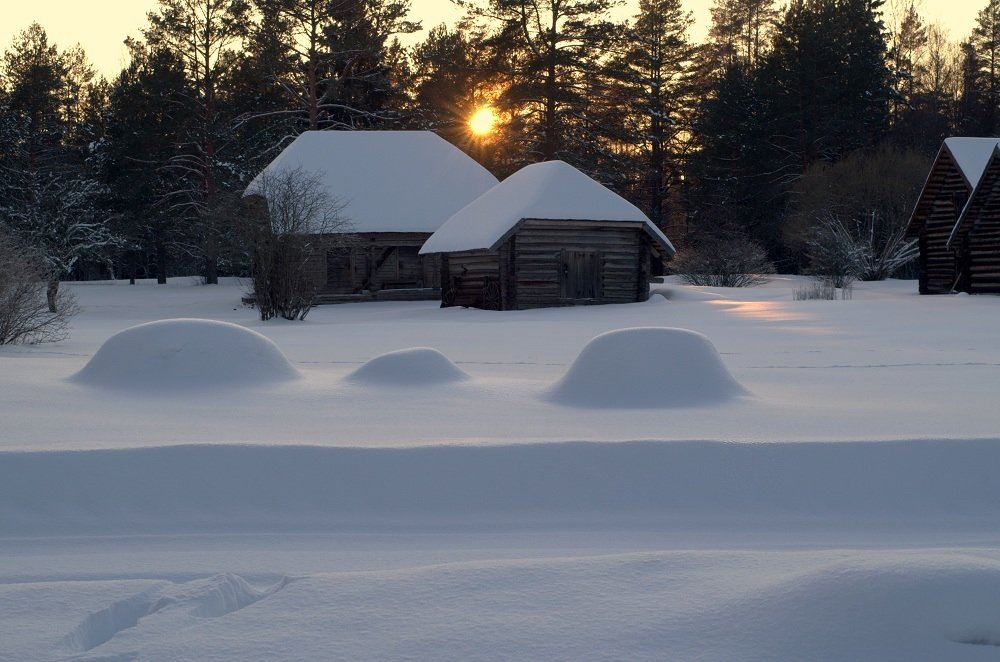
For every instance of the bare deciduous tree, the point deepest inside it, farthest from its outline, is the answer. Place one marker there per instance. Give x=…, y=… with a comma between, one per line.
x=294, y=221
x=25, y=317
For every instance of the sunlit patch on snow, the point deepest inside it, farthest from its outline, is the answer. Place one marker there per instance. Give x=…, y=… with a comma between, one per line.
x=409, y=367
x=647, y=367
x=185, y=353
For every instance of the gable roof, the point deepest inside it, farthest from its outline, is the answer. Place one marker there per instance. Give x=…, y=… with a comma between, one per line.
x=551, y=190
x=983, y=194
x=389, y=181
x=966, y=158
x=971, y=156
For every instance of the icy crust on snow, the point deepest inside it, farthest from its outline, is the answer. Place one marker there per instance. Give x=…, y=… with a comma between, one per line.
x=550, y=190
x=647, y=367
x=409, y=367
x=390, y=181
x=184, y=354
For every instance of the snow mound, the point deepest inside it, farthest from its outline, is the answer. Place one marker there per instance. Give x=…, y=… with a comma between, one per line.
x=647, y=367
x=409, y=367
x=185, y=353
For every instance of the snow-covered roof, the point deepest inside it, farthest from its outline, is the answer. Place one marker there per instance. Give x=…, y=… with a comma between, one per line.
x=390, y=181
x=971, y=156
x=977, y=193
x=550, y=190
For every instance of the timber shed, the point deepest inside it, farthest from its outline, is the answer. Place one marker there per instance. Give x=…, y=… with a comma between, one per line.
x=548, y=235
x=975, y=239
x=395, y=189
x=944, y=224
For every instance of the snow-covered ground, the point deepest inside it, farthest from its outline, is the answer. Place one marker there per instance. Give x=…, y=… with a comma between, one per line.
x=736, y=476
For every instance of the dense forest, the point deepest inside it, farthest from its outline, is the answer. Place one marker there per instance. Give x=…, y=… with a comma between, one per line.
x=799, y=132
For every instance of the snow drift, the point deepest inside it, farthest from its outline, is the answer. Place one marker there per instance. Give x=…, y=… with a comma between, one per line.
x=647, y=367
x=409, y=367
x=936, y=486
x=185, y=353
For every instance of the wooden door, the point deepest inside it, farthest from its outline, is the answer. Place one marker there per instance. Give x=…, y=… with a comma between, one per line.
x=581, y=275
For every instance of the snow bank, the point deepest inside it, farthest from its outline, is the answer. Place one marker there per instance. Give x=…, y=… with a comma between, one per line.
x=184, y=354
x=936, y=486
x=647, y=367
x=409, y=367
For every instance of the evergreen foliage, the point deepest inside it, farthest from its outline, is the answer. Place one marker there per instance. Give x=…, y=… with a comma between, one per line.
x=715, y=141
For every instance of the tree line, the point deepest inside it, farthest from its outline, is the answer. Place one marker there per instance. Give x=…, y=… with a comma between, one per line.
x=789, y=128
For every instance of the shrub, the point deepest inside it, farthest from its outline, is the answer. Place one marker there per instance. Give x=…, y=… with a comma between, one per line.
x=822, y=289
x=724, y=262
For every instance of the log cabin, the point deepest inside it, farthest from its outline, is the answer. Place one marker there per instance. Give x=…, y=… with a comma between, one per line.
x=954, y=176
x=393, y=189
x=975, y=240
x=548, y=235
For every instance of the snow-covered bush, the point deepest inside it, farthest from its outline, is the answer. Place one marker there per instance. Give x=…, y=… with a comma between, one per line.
x=834, y=255
x=25, y=316
x=862, y=204
x=723, y=262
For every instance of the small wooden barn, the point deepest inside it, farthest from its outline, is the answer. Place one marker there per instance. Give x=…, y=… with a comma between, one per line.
x=975, y=239
x=548, y=235
x=395, y=189
x=944, y=262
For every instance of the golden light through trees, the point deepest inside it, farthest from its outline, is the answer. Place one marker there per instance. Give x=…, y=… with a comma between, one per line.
x=483, y=121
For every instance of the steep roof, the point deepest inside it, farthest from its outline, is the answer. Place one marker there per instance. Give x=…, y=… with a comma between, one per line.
x=971, y=156
x=984, y=194
x=389, y=181
x=966, y=158
x=551, y=190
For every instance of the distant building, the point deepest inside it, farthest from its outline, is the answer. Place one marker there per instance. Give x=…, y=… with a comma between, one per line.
x=955, y=219
x=548, y=235
x=396, y=188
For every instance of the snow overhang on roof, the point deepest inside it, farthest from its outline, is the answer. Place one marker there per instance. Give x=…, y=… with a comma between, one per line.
x=389, y=181
x=552, y=190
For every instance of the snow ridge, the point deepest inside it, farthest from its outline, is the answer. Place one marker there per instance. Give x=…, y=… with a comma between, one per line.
x=212, y=597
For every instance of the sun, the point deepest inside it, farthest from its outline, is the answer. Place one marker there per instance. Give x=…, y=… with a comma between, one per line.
x=482, y=121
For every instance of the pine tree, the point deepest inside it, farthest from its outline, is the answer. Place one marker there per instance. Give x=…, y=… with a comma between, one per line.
x=204, y=35
x=548, y=51
x=334, y=60
x=147, y=117
x=985, y=43
x=649, y=89
x=826, y=83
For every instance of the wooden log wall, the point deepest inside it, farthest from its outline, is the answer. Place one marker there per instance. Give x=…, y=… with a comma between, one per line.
x=374, y=261
x=467, y=277
x=550, y=263
x=980, y=236
x=542, y=248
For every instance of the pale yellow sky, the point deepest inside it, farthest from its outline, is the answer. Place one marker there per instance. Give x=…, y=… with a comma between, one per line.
x=100, y=26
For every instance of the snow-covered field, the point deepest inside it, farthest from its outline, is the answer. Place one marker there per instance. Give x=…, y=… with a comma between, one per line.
x=807, y=480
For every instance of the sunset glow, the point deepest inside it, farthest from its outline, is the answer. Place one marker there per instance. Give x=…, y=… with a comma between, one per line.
x=483, y=121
